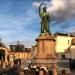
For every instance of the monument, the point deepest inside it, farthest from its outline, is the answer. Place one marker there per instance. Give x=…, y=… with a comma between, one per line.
x=45, y=55
x=44, y=19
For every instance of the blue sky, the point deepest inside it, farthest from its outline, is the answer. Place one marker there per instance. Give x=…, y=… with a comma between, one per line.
x=19, y=21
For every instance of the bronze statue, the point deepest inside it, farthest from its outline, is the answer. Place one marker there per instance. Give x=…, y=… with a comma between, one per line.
x=44, y=19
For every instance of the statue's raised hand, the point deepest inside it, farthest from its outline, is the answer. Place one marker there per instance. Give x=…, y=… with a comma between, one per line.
x=41, y=4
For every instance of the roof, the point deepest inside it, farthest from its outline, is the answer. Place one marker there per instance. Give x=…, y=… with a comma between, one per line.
x=64, y=34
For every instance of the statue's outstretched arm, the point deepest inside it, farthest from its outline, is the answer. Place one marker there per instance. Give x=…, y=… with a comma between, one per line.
x=40, y=8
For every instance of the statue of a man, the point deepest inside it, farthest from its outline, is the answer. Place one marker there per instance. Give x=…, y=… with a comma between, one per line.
x=44, y=19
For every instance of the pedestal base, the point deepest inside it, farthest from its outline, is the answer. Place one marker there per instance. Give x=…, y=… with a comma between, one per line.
x=44, y=62
x=46, y=54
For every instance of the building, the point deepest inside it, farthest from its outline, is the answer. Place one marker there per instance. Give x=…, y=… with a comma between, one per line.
x=68, y=56
x=63, y=41
x=72, y=49
x=69, y=53
x=14, y=54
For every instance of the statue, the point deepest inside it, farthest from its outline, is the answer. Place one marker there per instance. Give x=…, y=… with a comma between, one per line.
x=44, y=19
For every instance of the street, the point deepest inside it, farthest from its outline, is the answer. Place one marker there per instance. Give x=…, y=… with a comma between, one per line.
x=16, y=71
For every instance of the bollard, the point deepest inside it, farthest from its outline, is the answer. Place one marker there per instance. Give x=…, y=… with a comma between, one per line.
x=12, y=64
x=42, y=72
x=18, y=63
x=4, y=66
x=54, y=69
x=0, y=62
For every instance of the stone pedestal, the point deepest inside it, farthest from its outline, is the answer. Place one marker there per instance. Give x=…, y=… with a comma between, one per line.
x=46, y=54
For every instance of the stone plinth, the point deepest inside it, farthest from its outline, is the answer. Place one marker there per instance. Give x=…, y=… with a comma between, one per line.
x=45, y=50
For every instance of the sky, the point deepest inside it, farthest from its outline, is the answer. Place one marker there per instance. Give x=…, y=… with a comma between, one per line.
x=20, y=21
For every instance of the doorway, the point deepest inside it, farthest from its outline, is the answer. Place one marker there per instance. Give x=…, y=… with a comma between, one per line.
x=2, y=54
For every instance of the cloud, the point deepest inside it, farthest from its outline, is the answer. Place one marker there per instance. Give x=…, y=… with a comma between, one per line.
x=36, y=4
x=60, y=10
x=62, y=13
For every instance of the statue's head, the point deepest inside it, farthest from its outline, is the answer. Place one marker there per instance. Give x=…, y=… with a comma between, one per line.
x=44, y=9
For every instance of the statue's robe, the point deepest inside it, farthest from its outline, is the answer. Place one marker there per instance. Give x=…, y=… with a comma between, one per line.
x=44, y=22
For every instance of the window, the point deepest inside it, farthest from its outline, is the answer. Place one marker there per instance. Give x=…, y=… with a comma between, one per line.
x=68, y=42
x=18, y=55
x=63, y=56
